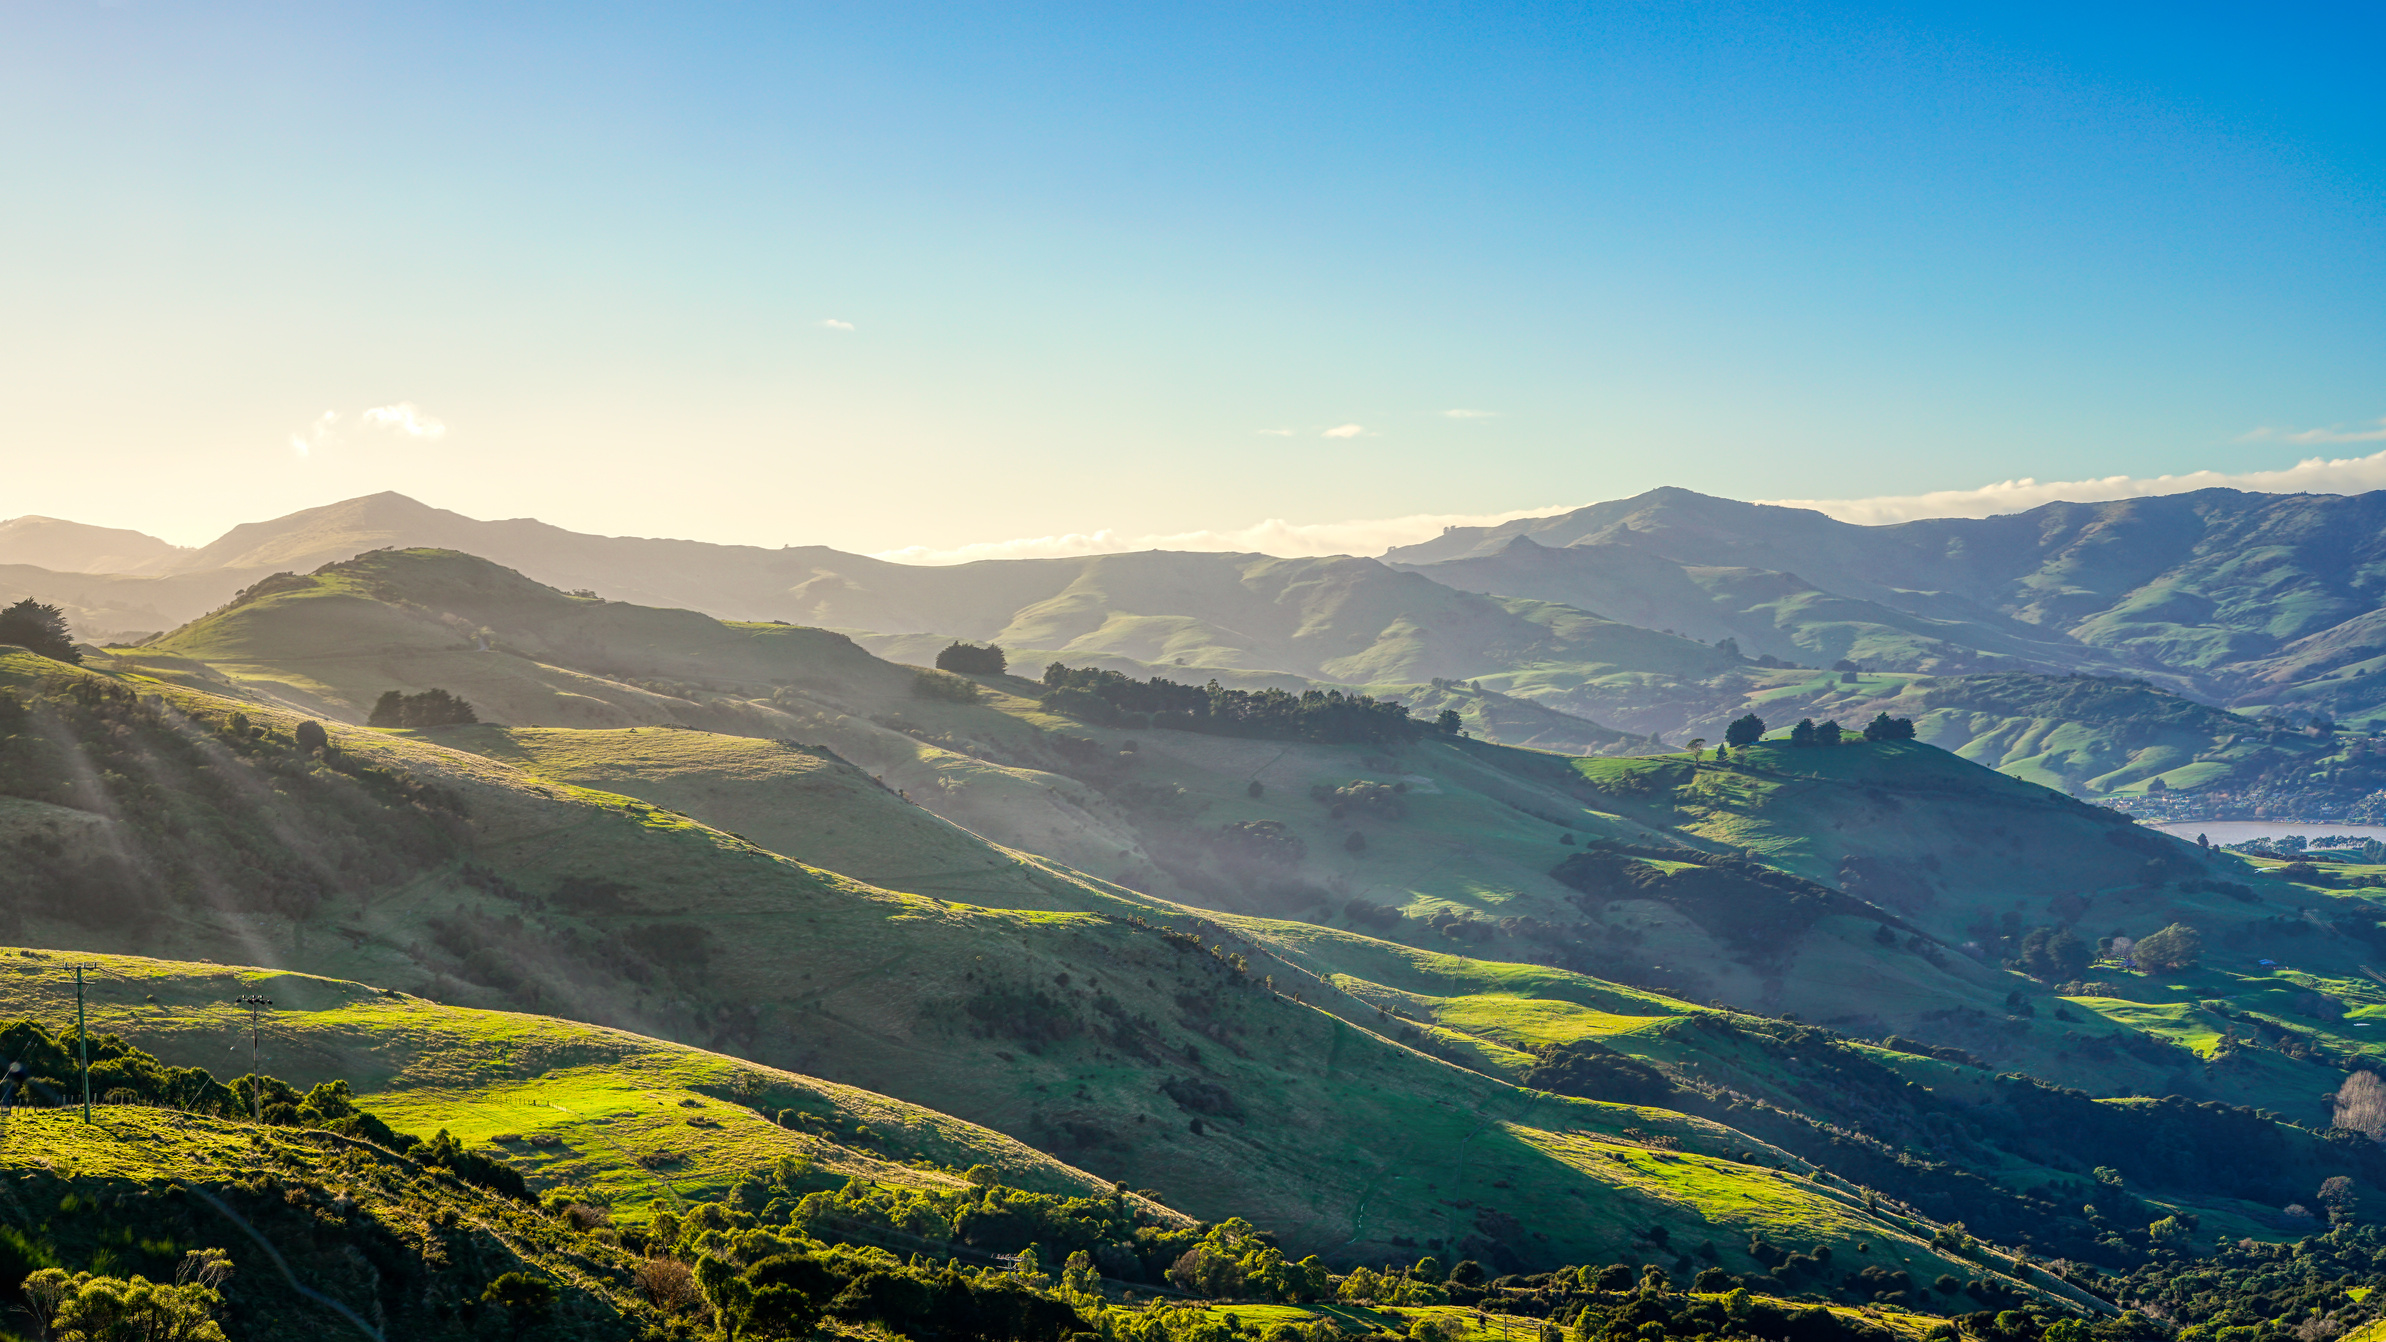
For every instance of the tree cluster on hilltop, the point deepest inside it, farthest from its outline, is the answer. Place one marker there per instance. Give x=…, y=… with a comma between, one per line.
x=1326, y=717
x=431, y=708
x=969, y=659
x=1748, y=729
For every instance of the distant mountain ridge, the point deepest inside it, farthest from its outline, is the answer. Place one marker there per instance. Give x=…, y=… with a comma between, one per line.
x=2250, y=601
x=74, y=547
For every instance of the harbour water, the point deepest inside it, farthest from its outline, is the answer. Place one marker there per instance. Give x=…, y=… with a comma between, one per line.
x=2238, y=831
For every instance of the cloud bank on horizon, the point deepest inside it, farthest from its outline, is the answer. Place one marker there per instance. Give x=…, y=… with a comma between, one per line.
x=2312, y=475
x=1275, y=536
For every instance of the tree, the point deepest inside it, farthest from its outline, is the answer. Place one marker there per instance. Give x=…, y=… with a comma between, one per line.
x=1745, y=730
x=2340, y=1197
x=2055, y=954
x=1828, y=734
x=1803, y=733
x=784, y=1296
x=1447, y=724
x=1255, y=790
x=38, y=628
x=2361, y=1105
x=1886, y=728
x=667, y=1282
x=389, y=710
x=311, y=736
x=1698, y=747
x=2174, y=947
x=969, y=659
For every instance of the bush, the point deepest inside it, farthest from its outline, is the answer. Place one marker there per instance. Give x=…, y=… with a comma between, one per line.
x=969, y=659
x=1327, y=717
x=522, y=1295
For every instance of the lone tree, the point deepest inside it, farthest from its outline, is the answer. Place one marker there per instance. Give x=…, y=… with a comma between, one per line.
x=1886, y=728
x=1803, y=733
x=969, y=659
x=1448, y=723
x=1745, y=731
x=38, y=628
x=310, y=736
x=2174, y=947
x=1828, y=734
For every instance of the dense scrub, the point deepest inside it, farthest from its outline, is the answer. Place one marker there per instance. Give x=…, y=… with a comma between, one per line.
x=1853, y=1115
x=1327, y=717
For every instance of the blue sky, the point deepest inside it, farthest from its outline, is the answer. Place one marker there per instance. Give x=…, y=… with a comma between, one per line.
x=1126, y=267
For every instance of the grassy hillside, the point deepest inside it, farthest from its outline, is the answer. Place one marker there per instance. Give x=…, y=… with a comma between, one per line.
x=1095, y=1036
x=1459, y=837
x=1354, y=1093
x=1141, y=807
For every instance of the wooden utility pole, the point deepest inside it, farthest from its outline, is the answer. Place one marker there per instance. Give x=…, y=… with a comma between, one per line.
x=83, y=1039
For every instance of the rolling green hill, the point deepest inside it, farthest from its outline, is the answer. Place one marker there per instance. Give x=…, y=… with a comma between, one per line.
x=1390, y=1073
x=1096, y=1036
x=1460, y=837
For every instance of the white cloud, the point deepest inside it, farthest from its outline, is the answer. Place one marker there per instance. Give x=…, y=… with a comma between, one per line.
x=1273, y=536
x=306, y=441
x=1343, y=431
x=2313, y=475
x=1274, y=433
x=832, y=324
x=2329, y=435
x=1471, y=414
x=406, y=418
